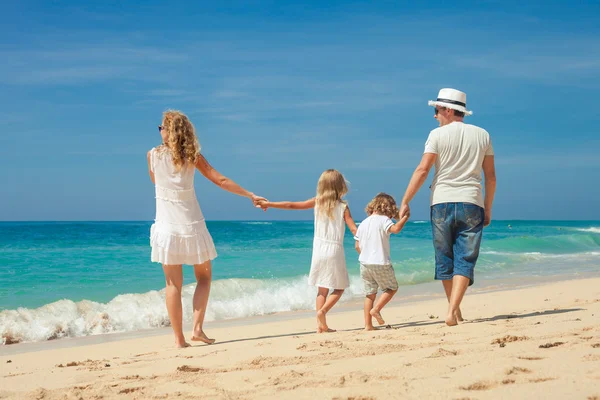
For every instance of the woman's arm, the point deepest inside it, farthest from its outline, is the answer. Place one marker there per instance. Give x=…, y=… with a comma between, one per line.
x=149, y=157
x=222, y=181
x=349, y=221
x=288, y=205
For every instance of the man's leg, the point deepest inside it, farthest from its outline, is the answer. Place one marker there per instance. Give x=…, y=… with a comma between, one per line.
x=448, y=289
x=459, y=286
x=442, y=224
x=469, y=229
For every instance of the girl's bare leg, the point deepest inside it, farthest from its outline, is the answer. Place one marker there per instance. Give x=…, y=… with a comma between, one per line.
x=174, y=282
x=333, y=298
x=203, y=274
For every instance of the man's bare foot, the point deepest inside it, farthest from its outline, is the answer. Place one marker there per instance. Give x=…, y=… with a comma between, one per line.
x=458, y=316
x=377, y=316
x=451, y=320
x=201, y=337
x=370, y=328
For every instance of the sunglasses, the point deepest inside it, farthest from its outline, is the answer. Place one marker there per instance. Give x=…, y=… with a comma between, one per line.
x=161, y=128
x=437, y=110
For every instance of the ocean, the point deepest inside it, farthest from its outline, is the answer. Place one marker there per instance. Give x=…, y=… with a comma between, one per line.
x=70, y=279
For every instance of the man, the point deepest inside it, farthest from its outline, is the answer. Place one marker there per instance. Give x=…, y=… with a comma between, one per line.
x=458, y=210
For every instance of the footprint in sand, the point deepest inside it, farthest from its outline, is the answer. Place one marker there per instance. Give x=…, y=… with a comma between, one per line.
x=549, y=345
x=481, y=385
x=517, y=370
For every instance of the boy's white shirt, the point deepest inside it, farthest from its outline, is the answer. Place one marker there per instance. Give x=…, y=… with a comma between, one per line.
x=373, y=236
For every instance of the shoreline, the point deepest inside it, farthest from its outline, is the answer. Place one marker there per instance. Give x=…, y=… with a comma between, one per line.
x=416, y=293
x=539, y=341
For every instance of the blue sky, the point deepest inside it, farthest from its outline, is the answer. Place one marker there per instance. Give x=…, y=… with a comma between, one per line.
x=279, y=91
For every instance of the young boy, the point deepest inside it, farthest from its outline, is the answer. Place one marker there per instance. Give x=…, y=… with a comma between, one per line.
x=373, y=245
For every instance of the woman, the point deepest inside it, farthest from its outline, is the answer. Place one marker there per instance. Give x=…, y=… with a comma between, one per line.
x=179, y=234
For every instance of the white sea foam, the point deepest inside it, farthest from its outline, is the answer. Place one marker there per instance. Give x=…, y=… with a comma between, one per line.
x=229, y=298
x=593, y=229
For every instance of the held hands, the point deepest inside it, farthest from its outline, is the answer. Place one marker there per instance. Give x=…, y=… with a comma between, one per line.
x=264, y=204
x=259, y=202
x=405, y=211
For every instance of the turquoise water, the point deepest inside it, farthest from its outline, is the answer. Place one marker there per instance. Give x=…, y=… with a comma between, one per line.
x=80, y=278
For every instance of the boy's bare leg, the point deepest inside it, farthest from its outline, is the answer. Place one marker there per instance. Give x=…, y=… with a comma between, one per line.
x=369, y=300
x=329, y=303
x=448, y=289
x=381, y=302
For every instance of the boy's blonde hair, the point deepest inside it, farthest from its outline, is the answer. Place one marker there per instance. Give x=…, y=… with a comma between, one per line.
x=181, y=140
x=330, y=190
x=383, y=204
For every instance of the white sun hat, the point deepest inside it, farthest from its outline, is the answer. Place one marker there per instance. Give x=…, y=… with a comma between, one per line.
x=451, y=98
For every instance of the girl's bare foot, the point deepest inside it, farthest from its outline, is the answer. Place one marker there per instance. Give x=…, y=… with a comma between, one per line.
x=322, y=323
x=201, y=337
x=377, y=316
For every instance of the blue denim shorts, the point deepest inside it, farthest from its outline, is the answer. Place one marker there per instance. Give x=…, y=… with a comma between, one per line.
x=457, y=230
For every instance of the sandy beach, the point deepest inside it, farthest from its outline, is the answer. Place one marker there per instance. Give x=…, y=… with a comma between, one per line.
x=534, y=342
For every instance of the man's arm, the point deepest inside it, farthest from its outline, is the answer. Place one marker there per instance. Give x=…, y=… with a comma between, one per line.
x=417, y=180
x=489, y=172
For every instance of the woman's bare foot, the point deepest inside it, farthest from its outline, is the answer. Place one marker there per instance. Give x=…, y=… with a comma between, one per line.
x=370, y=328
x=377, y=316
x=181, y=344
x=201, y=337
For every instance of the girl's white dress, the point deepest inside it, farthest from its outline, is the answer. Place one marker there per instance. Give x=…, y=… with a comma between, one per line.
x=328, y=266
x=179, y=234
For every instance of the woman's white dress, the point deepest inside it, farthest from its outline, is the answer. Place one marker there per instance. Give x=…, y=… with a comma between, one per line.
x=179, y=234
x=328, y=266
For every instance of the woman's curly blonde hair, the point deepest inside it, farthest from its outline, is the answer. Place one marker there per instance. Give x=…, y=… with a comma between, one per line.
x=330, y=190
x=181, y=140
x=383, y=204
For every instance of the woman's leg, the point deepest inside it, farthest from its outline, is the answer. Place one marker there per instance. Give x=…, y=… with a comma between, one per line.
x=203, y=274
x=174, y=282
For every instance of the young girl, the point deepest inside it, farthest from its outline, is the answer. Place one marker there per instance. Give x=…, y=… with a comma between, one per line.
x=373, y=245
x=179, y=234
x=328, y=266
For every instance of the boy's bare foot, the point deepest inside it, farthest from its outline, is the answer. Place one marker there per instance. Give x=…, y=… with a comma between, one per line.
x=377, y=316
x=201, y=337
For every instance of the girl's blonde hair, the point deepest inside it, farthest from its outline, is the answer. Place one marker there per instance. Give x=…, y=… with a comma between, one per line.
x=383, y=204
x=181, y=140
x=330, y=190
